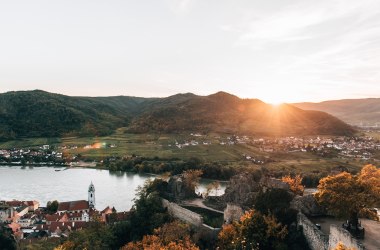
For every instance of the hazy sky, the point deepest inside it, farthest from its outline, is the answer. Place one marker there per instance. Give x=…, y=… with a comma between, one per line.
x=275, y=50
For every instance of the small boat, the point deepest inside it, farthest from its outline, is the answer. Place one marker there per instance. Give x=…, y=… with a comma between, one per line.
x=56, y=170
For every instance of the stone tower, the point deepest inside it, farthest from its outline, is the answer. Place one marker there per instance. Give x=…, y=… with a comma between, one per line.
x=91, y=195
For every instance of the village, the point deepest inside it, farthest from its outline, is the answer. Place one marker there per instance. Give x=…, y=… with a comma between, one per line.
x=362, y=148
x=28, y=221
x=342, y=147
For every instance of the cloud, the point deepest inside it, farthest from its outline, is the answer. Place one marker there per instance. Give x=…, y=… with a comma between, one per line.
x=179, y=6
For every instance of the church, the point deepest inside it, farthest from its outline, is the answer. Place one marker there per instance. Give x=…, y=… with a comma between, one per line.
x=79, y=210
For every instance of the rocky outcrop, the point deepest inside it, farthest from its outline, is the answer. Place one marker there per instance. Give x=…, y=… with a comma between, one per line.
x=307, y=205
x=242, y=190
x=232, y=213
x=178, y=190
x=270, y=183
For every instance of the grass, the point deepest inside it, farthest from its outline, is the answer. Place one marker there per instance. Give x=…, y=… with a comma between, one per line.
x=151, y=145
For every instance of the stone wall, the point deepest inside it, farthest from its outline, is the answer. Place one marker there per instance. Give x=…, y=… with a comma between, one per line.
x=316, y=239
x=338, y=234
x=183, y=214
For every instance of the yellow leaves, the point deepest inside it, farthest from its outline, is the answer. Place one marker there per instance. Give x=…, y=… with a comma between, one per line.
x=370, y=176
x=171, y=236
x=295, y=184
x=275, y=229
x=340, y=246
x=345, y=193
x=253, y=229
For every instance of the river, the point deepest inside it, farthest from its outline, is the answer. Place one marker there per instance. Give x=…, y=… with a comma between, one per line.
x=43, y=184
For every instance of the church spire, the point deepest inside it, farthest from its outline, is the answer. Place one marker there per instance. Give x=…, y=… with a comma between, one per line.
x=91, y=195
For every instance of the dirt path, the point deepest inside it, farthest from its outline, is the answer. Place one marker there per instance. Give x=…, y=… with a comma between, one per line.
x=199, y=203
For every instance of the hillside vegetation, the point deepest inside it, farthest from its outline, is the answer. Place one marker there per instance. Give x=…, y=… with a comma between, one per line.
x=42, y=114
x=353, y=111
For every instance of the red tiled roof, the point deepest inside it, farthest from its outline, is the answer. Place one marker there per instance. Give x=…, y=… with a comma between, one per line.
x=15, y=203
x=56, y=217
x=64, y=226
x=73, y=205
x=32, y=203
x=106, y=210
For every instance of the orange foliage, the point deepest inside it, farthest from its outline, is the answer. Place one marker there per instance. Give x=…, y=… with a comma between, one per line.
x=294, y=183
x=171, y=236
x=340, y=246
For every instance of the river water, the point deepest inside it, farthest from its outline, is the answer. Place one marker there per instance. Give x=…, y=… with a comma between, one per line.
x=43, y=184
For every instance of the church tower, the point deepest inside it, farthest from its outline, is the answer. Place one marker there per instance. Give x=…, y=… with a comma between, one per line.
x=91, y=195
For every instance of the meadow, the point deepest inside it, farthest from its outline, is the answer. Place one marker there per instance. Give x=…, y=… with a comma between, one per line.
x=163, y=146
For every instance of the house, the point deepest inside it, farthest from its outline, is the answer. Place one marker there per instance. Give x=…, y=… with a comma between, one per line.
x=71, y=207
x=56, y=218
x=6, y=212
x=56, y=229
x=32, y=205
x=26, y=220
x=22, y=210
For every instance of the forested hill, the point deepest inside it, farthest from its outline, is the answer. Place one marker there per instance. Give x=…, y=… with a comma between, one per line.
x=42, y=114
x=38, y=113
x=353, y=111
x=222, y=112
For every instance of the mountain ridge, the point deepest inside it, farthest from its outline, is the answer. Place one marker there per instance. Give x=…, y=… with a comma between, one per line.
x=356, y=112
x=39, y=113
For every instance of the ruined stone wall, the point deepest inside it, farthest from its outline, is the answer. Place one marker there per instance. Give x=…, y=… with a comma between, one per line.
x=338, y=234
x=182, y=213
x=316, y=239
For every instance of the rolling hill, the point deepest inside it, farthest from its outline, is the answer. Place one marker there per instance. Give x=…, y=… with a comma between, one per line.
x=359, y=112
x=42, y=114
x=222, y=112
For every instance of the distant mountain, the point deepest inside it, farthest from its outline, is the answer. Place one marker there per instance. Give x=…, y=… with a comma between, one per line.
x=353, y=111
x=42, y=114
x=222, y=112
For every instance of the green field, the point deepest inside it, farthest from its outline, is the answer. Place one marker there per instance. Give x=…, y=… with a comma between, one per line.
x=163, y=146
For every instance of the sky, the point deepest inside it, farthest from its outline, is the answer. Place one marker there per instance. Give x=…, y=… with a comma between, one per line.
x=274, y=50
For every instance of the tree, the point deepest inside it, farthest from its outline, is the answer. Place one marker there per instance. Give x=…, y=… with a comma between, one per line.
x=253, y=231
x=191, y=178
x=96, y=236
x=277, y=202
x=173, y=236
x=295, y=184
x=6, y=239
x=52, y=206
x=341, y=246
x=147, y=213
x=216, y=186
x=346, y=195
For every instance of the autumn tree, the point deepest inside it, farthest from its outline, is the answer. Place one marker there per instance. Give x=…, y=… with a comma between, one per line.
x=172, y=236
x=215, y=185
x=295, y=184
x=341, y=246
x=253, y=231
x=346, y=195
x=191, y=178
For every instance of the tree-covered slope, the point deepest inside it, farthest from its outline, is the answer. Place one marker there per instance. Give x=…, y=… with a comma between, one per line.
x=352, y=111
x=42, y=114
x=222, y=112
x=38, y=113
